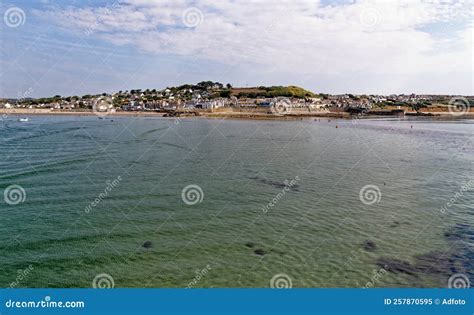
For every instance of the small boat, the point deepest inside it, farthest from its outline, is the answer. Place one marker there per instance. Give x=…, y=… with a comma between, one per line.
x=25, y=119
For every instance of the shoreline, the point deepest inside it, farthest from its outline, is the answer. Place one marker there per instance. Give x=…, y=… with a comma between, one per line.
x=250, y=115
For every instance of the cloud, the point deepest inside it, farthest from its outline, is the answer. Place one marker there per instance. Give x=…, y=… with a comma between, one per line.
x=373, y=38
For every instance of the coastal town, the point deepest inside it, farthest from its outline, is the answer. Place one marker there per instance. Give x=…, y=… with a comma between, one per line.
x=208, y=97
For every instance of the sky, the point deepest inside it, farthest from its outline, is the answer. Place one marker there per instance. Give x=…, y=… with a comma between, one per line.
x=74, y=47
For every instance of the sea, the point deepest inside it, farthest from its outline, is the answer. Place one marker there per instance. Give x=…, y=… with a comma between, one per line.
x=136, y=201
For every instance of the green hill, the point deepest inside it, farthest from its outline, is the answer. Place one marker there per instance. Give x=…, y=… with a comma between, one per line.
x=272, y=91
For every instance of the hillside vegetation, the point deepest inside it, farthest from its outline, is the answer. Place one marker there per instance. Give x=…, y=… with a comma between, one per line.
x=272, y=91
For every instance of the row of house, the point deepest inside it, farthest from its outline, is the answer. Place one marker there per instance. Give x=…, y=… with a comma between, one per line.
x=187, y=98
x=202, y=103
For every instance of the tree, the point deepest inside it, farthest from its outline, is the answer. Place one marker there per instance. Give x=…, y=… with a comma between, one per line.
x=209, y=84
x=117, y=102
x=228, y=85
x=225, y=93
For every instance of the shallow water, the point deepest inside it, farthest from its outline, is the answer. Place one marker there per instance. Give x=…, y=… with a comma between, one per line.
x=250, y=225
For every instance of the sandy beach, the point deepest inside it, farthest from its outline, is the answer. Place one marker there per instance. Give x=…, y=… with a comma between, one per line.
x=246, y=114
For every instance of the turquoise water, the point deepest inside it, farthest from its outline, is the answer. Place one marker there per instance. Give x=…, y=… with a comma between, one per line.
x=248, y=224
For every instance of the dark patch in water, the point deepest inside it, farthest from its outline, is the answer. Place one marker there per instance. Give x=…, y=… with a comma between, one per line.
x=47, y=168
x=394, y=224
x=147, y=244
x=397, y=223
x=462, y=235
x=396, y=266
x=150, y=132
x=261, y=252
x=174, y=145
x=42, y=133
x=250, y=244
x=460, y=232
x=369, y=246
x=439, y=264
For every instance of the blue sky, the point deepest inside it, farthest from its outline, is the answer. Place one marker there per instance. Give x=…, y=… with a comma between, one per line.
x=81, y=47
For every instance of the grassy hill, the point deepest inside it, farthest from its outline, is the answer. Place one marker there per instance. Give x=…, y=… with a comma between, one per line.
x=272, y=91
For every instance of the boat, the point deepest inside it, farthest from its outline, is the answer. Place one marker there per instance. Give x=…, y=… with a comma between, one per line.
x=25, y=119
